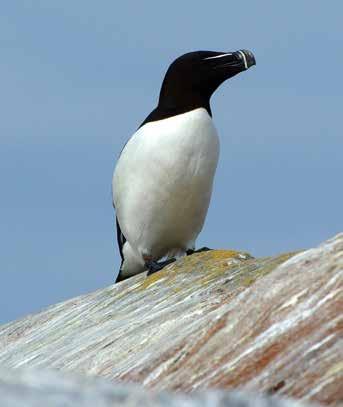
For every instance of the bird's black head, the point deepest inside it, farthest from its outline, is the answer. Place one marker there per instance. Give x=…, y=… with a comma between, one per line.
x=192, y=78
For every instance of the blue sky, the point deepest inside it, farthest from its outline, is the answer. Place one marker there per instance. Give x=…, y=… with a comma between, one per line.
x=78, y=77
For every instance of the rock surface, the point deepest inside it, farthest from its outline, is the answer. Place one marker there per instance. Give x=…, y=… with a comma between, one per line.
x=218, y=319
x=33, y=388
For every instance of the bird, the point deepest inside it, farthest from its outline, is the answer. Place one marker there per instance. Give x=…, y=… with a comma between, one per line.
x=163, y=178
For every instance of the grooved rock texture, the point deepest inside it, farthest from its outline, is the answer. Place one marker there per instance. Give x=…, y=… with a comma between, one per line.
x=218, y=319
x=34, y=388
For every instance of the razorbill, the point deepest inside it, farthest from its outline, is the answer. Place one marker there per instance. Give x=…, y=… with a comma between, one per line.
x=162, y=182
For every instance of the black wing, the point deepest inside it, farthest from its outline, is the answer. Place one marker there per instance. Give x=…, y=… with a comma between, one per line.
x=121, y=239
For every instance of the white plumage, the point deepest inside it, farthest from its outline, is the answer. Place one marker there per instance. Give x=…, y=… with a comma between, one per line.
x=162, y=186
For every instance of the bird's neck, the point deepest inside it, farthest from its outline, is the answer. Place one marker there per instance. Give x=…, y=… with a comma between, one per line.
x=179, y=103
x=172, y=104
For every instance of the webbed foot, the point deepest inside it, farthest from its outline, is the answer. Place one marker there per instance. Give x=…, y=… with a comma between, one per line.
x=154, y=266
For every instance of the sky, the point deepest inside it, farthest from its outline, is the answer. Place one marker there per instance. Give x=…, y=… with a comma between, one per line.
x=76, y=80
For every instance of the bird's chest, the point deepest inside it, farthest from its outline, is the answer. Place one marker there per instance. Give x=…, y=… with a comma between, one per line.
x=163, y=181
x=180, y=150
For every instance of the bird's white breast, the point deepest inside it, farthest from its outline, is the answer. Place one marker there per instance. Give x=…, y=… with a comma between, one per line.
x=163, y=181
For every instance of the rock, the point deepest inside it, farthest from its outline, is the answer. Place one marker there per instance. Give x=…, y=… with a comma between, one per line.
x=218, y=319
x=33, y=388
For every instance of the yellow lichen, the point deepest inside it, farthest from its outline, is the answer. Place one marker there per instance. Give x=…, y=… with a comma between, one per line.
x=152, y=279
x=211, y=265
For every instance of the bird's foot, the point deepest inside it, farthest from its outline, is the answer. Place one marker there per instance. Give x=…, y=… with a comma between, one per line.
x=154, y=266
x=189, y=252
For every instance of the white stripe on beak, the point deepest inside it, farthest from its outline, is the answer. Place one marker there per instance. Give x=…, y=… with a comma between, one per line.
x=244, y=58
x=219, y=56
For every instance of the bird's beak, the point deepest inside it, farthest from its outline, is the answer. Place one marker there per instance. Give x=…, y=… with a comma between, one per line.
x=246, y=57
x=242, y=60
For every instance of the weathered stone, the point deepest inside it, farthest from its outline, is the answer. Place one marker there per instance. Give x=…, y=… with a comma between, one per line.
x=33, y=388
x=218, y=319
